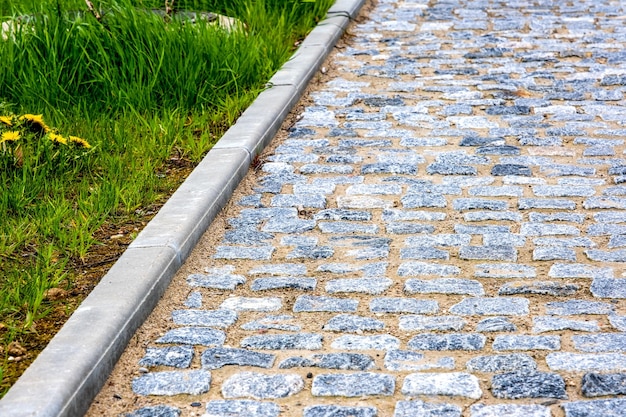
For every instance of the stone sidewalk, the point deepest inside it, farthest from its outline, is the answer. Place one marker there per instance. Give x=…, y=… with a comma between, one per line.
x=443, y=233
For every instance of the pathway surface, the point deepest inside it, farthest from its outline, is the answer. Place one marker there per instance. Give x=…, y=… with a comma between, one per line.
x=442, y=233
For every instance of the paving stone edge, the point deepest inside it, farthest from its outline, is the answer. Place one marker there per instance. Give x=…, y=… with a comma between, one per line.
x=70, y=371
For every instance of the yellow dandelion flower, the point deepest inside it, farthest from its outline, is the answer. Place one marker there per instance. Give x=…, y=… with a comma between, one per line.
x=10, y=136
x=36, y=120
x=57, y=138
x=80, y=141
x=6, y=120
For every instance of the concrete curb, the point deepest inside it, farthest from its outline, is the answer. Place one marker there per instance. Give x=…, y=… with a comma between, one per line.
x=70, y=371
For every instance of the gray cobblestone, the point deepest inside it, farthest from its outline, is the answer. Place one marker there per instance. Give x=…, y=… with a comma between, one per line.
x=175, y=356
x=219, y=281
x=488, y=252
x=456, y=384
x=375, y=342
x=407, y=215
x=339, y=411
x=359, y=285
x=455, y=341
x=505, y=271
x=344, y=361
x=272, y=283
x=545, y=288
x=496, y=324
x=209, y=318
x=547, y=229
x=420, y=408
x=510, y=410
x=565, y=242
x=261, y=386
x=279, y=269
x=551, y=253
x=573, y=307
x=320, y=303
x=424, y=253
x=516, y=385
x=427, y=323
x=215, y=358
x=403, y=305
x=444, y=286
x=463, y=204
x=598, y=385
x=247, y=304
x=579, y=271
x=194, y=336
x=155, y=411
x=600, y=342
x=302, y=341
x=172, y=383
x=439, y=240
x=523, y=342
x=407, y=360
x=352, y=385
x=546, y=324
x=423, y=268
x=240, y=252
x=279, y=322
x=241, y=408
x=540, y=203
x=480, y=216
x=606, y=408
x=351, y=323
x=496, y=306
x=481, y=230
x=502, y=363
x=583, y=362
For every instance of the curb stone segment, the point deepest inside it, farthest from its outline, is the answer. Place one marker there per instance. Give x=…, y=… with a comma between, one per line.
x=110, y=315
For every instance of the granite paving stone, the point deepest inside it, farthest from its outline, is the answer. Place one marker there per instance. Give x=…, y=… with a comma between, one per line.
x=306, y=341
x=420, y=408
x=523, y=342
x=353, y=385
x=515, y=385
x=455, y=384
x=566, y=361
x=444, y=286
x=496, y=324
x=339, y=411
x=262, y=386
x=443, y=342
x=510, y=410
x=407, y=360
x=155, y=411
x=599, y=385
x=175, y=356
x=502, y=363
x=607, y=408
x=169, y=383
x=215, y=358
x=205, y=336
x=352, y=324
x=515, y=306
x=241, y=408
x=376, y=342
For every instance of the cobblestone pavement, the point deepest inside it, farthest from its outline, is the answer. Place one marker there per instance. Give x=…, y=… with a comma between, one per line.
x=443, y=233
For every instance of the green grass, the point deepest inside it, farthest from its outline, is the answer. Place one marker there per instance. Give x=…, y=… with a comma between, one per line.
x=141, y=90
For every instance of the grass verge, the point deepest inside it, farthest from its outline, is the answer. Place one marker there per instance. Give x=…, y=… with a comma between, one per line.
x=151, y=94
